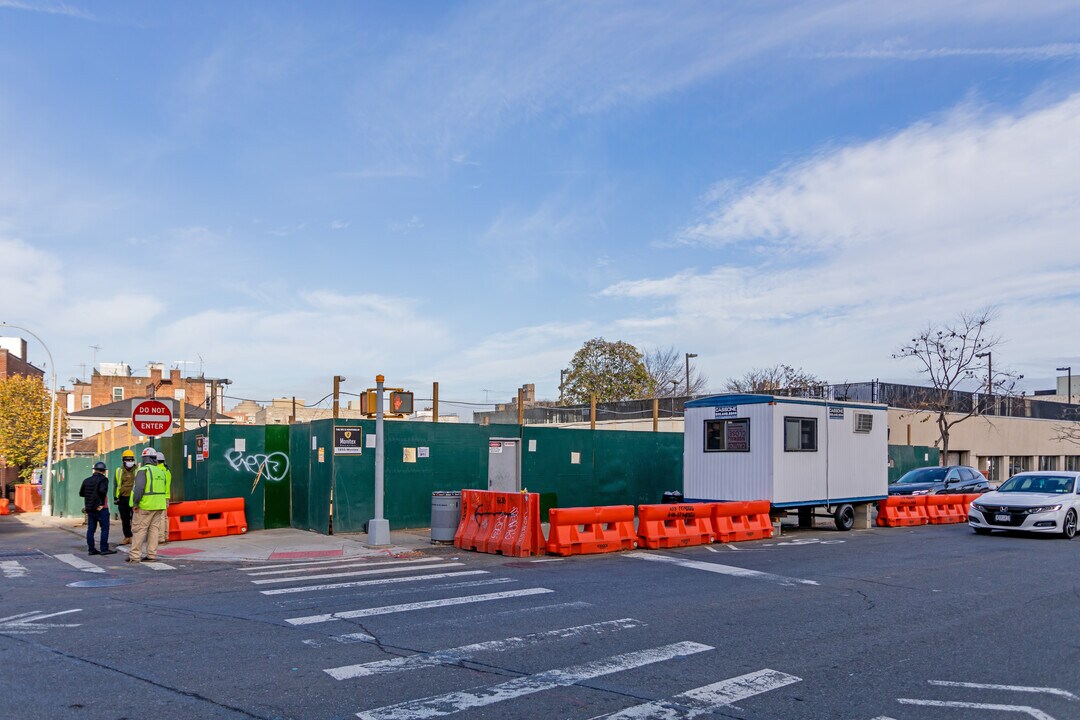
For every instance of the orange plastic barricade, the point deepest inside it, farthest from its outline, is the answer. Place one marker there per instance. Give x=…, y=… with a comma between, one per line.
x=582, y=531
x=738, y=521
x=968, y=499
x=902, y=511
x=4, y=509
x=196, y=519
x=500, y=523
x=945, y=509
x=27, y=498
x=672, y=526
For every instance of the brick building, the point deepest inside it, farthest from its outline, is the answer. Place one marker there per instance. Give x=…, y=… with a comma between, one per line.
x=112, y=382
x=13, y=359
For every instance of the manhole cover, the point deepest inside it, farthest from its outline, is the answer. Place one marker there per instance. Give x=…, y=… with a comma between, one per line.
x=102, y=582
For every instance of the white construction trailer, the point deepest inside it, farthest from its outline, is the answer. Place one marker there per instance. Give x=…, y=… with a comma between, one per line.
x=800, y=454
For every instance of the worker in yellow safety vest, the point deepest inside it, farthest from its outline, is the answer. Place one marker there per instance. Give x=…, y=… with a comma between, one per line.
x=149, y=498
x=168, y=475
x=123, y=481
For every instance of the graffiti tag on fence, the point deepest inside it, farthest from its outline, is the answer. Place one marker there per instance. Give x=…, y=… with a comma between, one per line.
x=274, y=466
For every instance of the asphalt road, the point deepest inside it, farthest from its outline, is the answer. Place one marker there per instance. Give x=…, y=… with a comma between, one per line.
x=909, y=624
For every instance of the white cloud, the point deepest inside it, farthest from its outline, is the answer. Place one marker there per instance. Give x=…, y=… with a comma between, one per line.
x=844, y=253
x=338, y=224
x=49, y=8
x=1053, y=51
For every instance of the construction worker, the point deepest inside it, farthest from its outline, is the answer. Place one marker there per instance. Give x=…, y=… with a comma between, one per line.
x=168, y=474
x=95, y=494
x=149, y=500
x=123, y=481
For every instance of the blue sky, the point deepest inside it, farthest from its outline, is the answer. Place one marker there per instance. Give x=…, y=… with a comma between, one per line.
x=467, y=191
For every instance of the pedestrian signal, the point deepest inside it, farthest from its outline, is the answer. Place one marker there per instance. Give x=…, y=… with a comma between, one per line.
x=401, y=403
x=367, y=402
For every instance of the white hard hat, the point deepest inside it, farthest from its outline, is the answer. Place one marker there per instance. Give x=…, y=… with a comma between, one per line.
x=160, y=456
x=149, y=453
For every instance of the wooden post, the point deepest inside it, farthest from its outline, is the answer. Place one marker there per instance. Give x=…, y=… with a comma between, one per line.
x=521, y=406
x=592, y=412
x=183, y=417
x=337, y=391
x=435, y=402
x=655, y=414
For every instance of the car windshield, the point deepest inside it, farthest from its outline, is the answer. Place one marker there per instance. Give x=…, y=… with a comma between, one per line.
x=1056, y=484
x=922, y=475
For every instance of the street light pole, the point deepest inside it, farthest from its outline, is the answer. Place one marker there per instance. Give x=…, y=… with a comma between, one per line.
x=46, y=501
x=1069, y=389
x=688, y=356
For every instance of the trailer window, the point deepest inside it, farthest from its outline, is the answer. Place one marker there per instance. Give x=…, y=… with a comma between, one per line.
x=800, y=434
x=727, y=435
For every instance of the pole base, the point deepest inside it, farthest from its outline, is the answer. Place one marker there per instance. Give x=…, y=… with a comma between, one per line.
x=46, y=510
x=378, y=532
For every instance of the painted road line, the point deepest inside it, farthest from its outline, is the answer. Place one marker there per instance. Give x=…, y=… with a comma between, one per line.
x=1012, y=688
x=399, y=590
x=28, y=623
x=79, y=564
x=13, y=569
x=407, y=607
x=368, y=583
x=354, y=573
x=340, y=566
x=1027, y=710
x=721, y=569
x=575, y=605
x=558, y=559
x=709, y=698
x=157, y=565
x=450, y=703
x=453, y=656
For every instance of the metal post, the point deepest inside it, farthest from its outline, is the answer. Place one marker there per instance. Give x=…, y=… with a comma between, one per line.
x=1068, y=389
x=46, y=501
x=435, y=402
x=213, y=400
x=688, y=356
x=379, y=527
x=293, y=418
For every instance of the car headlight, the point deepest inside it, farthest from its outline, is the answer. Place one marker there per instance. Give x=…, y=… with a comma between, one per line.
x=977, y=506
x=1044, y=509
x=921, y=492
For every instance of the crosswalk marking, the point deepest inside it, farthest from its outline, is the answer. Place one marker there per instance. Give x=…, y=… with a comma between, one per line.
x=450, y=703
x=721, y=569
x=1012, y=688
x=366, y=583
x=456, y=655
x=343, y=566
x=157, y=565
x=1026, y=709
x=275, y=566
x=79, y=564
x=407, y=607
x=354, y=573
x=13, y=569
x=707, y=699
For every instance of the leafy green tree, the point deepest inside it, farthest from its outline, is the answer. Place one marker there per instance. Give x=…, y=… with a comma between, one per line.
x=24, y=423
x=611, y=371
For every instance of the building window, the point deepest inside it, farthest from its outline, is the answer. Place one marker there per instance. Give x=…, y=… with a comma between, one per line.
x=1072, y=463
x=727, y=435
x=75, y=433
x=993, y=469
x=1019, y=464
x=864, y=422
x=1048, y=462
x=85, y=402
x=117, y=394
x=800, y=434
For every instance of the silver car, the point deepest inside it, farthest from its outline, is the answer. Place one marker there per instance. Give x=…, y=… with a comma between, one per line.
x=1040, y=502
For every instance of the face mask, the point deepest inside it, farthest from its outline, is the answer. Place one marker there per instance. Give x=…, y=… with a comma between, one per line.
x=129, y=463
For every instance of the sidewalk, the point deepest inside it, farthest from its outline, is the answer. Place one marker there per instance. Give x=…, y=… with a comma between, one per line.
x=282, y=544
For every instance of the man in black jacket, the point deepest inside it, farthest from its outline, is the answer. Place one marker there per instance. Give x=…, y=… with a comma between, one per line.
x=95, y=494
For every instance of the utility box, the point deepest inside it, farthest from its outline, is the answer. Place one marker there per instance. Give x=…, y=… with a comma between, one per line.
x=793, y=452
x=504, y=464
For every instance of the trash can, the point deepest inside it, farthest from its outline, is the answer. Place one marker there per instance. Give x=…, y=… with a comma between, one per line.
x=672, y=497
x=445, y=514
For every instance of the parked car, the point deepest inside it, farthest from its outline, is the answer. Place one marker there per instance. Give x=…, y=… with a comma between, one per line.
x=937, y=480
x=1041, y=502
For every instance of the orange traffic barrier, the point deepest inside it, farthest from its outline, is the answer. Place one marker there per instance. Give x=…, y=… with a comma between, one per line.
x=671, y=526
x=196, y=519
x=737, y=521
x=968, y=499
x=581, y=531
x=902, y=511
x=946, y=509
x=4, y=509
x=500, y=523
x=27, y=498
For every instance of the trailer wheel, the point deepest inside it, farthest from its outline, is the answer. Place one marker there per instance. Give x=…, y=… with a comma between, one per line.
x=844, y=517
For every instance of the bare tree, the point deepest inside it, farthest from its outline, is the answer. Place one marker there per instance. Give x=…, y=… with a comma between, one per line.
x=667, y=372
x=1068, y=430
x=778, y=379
x=950, y=354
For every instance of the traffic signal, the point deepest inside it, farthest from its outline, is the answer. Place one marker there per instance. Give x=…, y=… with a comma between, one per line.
x=401, y=403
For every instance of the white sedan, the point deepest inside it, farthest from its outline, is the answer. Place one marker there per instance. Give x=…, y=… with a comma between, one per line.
x=1043, y=502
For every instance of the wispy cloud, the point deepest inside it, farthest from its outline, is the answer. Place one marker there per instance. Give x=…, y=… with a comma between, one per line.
x=51, y=8
x=1054, y=51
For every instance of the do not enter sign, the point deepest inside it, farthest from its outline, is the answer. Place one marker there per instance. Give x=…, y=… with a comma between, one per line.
x=152, y=418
